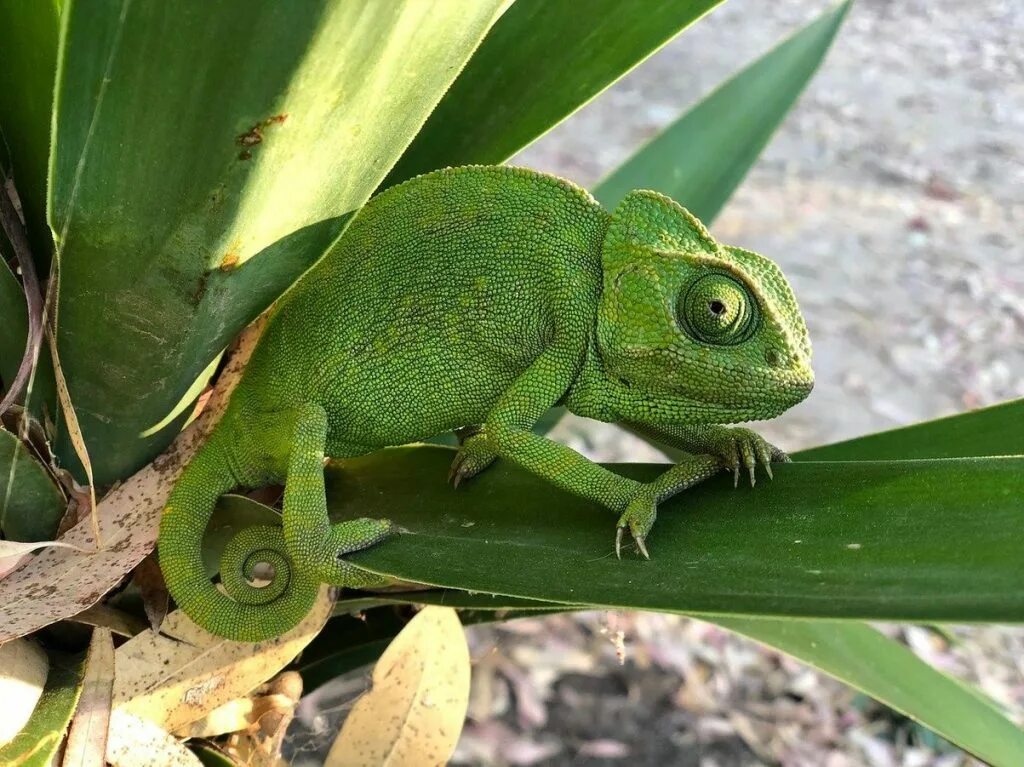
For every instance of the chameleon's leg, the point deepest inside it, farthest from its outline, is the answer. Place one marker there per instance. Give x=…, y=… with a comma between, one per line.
x=316, y=544
x=736, y=446
x=507, y=433
x=642, y=510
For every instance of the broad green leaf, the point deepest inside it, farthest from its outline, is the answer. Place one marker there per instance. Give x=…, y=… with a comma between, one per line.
x=206, y=154
x=13, y=320
x=909, y=540
x=869, y=661
x=996, y=430
x=39, y=740
x=540, y=63
x=701, y=158
x=31, y=504
x=28, y=60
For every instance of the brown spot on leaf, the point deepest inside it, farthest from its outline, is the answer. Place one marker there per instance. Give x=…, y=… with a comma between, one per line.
x=230, y=261
x=254, y=135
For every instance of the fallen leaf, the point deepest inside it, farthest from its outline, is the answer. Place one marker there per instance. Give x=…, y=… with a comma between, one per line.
x=416, y=706
x=269, y=710
x=178, y=676
x=136, y=742
x=19, y=548
x=25, y=667
x=103, y=616
x=87, y=738
x=150, y=581
x=62, y=582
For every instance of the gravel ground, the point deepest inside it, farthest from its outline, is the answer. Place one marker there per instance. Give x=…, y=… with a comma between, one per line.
x=893, y=198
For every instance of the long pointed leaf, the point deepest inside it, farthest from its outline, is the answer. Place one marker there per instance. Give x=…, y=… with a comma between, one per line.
x=540, y=63
x=869, y=661
x=701, y=158
x=911, y=540
x=205, y=154
x=996, y=430
x=28, y=61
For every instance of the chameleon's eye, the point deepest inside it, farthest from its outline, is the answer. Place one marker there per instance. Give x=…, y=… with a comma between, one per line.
x=717, y=309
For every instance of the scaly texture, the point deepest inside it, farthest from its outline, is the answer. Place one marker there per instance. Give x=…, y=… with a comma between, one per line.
x=474, y=299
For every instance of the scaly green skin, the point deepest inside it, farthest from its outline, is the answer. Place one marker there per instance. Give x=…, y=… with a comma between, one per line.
x=474, y=299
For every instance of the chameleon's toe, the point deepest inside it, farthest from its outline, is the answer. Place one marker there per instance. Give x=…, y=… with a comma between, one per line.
x=473, y=457
x=639, y=518
x=749, y=460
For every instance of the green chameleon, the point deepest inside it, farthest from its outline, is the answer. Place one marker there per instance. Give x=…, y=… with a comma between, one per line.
x=474, y=299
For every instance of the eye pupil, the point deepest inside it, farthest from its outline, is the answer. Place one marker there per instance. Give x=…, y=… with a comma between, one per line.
x=717, y=307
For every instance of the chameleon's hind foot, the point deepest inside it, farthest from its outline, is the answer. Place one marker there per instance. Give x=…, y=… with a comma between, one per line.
x=475, y=454
x=324, y=555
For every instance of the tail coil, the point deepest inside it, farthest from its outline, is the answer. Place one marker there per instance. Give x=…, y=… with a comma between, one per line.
x=244, y=611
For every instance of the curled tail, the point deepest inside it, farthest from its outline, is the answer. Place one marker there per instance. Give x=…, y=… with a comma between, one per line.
x=246, y=613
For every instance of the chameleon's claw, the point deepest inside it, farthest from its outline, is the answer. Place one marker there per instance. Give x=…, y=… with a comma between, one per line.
x=618, y=542
x=753, y=478
x=643, y=548
x=768, y=470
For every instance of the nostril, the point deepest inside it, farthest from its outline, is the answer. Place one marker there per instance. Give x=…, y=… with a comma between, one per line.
x=771, y=356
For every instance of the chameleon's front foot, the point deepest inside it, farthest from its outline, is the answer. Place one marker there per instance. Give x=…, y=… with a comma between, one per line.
x=638, y=518
x=743, y=448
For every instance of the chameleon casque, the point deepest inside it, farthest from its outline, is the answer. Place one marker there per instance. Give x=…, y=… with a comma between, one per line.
x=474, y=299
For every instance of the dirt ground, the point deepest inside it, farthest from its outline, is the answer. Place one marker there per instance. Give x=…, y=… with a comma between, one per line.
x=893, y=198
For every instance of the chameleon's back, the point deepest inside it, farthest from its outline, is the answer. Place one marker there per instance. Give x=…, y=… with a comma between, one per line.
x=441, y=292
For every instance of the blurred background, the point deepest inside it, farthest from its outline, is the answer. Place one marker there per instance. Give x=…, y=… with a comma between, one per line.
x=893, y=199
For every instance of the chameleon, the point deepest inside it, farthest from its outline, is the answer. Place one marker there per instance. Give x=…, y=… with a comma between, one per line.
x=474, y=299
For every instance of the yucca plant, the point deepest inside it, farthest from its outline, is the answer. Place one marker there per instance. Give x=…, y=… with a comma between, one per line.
x=178, y=165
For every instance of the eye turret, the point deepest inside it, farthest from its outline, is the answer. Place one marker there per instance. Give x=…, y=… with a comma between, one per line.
x=718, y=309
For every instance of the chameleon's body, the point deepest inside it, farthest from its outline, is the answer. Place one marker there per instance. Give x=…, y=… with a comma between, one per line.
x=481, y=297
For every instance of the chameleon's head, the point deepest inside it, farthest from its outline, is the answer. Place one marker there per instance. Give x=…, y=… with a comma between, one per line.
x=695, y=331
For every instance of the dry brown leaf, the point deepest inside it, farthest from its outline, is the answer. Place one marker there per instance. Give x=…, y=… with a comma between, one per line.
x=234, y=716
x=267, y=710
x=107, y=617
x=149, y=579
x=23, y=670
x=416, y=706
x=181, y=674
x=20, y=548
x=136, y=742
x=87, y=738
x=59, y=583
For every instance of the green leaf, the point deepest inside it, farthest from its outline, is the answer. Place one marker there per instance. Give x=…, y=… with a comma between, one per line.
x=13, y=320
x=869, y=661
x=701, y=158
x=540, y=63
x=28, y=52
x=910, y=540
x=31, y=504
x=205, y=154
x=996, y=430
x=37, y=743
